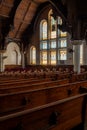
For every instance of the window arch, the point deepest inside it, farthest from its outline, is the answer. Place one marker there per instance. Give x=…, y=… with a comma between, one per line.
x=32, y=55
x=13, y=54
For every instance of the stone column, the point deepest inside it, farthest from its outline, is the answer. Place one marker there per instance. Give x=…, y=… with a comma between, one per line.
x=23, y=59
x=76, y=56
x=22, y=56
x=1, y=60
x=84, y=53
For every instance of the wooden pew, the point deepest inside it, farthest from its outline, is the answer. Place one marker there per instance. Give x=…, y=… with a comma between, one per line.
x=2, y=81
x=35, y=85
x=22, y=82
x=78, y=77
x=29, y=85
x=54, y=76
x=13, y=81
x=59, y=115
x=37, y=97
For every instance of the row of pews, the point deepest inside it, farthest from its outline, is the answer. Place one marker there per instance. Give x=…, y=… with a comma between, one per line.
x=56, y=102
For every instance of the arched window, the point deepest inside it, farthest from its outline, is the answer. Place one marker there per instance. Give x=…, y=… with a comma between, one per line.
x=43, y=30
x=43, y=42
x=53, y=42
x=32, y=55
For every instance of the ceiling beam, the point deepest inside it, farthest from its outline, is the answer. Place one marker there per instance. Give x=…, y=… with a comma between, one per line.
x=22, y=21
x=7, y=5
x=23, y=18
x=3, y=15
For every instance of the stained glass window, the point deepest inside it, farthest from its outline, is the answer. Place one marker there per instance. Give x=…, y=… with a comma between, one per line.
x=33, y=55
x=63, y=43
x=53, y=44
x=52, y=25
x=43, y=45
x=44, y=30
x=53, y=57
x=62, y=54
x=43, y=57
x=59, y=20
x=63, y=34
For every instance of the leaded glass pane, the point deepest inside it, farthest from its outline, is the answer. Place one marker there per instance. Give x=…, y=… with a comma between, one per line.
x=63, y=34
x=53, y=57
x=59, y=21
x=33, y=55
x=44, y=57
x=43, y=45
x=53, y=27
x=63, y=43
x=44, y=30
x=53, y=44
x=62, y=54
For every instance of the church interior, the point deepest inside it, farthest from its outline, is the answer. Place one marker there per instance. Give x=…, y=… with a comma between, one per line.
x=43, y=65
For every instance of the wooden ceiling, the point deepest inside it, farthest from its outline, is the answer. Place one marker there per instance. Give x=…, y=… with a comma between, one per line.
x=17, y=15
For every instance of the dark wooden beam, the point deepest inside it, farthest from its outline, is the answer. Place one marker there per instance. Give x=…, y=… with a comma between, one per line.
x=23, y=18
x=7, y=5
x=3, y=15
